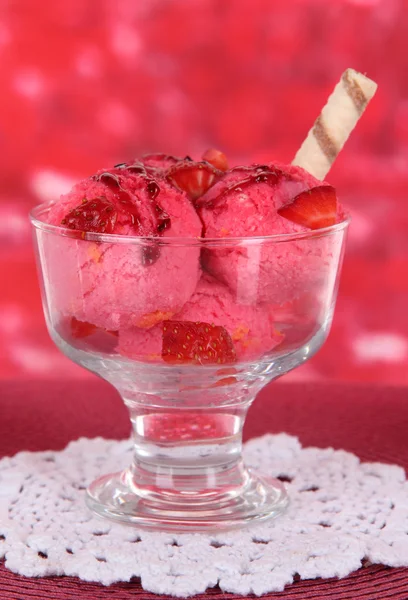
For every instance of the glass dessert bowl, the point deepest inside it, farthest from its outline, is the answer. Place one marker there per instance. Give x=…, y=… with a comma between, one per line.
x=188, y=330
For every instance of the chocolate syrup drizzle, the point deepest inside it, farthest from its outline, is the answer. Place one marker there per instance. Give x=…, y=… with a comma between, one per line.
x=112, y=180
x=251, y=175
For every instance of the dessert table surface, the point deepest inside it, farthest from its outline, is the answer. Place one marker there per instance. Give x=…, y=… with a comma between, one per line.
x=369, y=421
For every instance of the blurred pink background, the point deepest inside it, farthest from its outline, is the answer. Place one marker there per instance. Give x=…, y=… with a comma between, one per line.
x=89, y=83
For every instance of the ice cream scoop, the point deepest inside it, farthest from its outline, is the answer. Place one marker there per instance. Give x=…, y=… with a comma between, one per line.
x=127, y=201
x=248, y=202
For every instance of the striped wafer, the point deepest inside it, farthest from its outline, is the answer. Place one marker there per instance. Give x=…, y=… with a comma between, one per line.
x=335, y=123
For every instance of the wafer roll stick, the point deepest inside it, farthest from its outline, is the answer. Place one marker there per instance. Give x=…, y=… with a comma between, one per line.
x=335, y=123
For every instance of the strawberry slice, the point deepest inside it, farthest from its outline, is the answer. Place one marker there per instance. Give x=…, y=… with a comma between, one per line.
x=87, y=336
x=216, y=158
x=196, y=343
x=194, y=178
x=315, y=208
x=97, y=215
x=81, y=329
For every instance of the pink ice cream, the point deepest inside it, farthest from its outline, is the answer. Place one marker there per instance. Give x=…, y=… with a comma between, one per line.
x=251, y=327
x=112, y=285
x=245, y=203
x=119, y=294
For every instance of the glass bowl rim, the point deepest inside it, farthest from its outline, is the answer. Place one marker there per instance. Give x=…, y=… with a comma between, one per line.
x=111, y=238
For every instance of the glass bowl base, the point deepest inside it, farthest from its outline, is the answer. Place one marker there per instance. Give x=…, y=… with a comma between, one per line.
x=116, y=497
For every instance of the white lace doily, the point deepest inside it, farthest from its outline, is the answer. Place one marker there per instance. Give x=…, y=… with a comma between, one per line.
x=342, y=511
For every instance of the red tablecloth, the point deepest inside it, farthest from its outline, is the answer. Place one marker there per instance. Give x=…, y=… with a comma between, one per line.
x=370, y=421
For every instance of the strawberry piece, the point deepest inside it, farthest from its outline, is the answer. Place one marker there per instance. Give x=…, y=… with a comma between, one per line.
x=194, y=178
x=314, y=208
x=196, y=343
x=217, y=159
x=81, y=329
x=97, y=215
x=87, y=336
